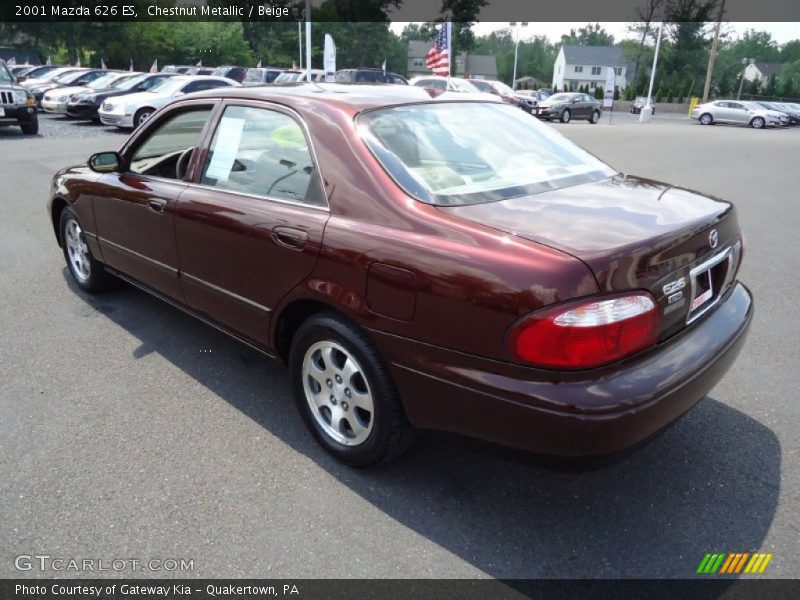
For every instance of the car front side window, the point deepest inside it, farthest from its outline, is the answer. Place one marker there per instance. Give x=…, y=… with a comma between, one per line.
x=161, y=153
x=262, y=152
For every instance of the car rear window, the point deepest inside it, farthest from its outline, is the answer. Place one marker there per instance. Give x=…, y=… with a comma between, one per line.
x=452, y=153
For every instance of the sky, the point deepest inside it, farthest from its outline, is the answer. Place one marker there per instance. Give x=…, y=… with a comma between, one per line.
x=781, y=32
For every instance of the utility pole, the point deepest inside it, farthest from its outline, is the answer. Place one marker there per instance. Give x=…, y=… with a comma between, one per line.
x=713, y=57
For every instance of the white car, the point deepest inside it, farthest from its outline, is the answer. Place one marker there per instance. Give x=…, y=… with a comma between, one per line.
x=736, y=112
x=47, y=77
x=132, y=110
x=455, y=84
x=55, y=100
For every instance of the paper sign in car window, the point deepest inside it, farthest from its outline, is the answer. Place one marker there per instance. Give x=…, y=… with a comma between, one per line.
x=229, y=135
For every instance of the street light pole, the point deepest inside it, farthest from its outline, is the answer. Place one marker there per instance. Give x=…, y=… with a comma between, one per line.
x=647, y=111
x=300, y=41
x=308, y=40
x=516, y=27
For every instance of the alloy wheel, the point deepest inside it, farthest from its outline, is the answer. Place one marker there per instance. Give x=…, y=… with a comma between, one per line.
x=338, y=393
x=77, y=251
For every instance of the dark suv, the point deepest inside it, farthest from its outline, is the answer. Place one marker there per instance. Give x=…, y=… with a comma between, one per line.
x=16, y=103
x=369, y=76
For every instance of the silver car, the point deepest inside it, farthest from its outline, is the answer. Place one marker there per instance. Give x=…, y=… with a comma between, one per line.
x=735, y=112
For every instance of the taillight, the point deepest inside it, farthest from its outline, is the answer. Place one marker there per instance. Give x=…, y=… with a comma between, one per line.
x=586, y=333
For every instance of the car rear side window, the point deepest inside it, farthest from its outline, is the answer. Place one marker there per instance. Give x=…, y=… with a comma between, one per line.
x=262, y=152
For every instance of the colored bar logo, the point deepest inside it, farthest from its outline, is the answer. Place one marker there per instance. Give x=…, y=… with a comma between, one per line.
x=734, y=563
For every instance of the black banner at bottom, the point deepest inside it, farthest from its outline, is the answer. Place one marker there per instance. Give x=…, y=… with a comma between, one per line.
x=379, y=589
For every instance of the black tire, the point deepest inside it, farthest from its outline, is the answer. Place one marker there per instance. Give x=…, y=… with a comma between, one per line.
x=98, y=278
x=758, y=123
x=141, y=116
x=706, y=119
x=390, y=432
x=30, y=127
x=595, y=118
x=566, y=115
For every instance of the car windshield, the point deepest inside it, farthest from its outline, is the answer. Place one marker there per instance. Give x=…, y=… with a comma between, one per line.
x=503, y=88
x=5, y=76
x=169, y=85
x=288, y=76
x=103, y=82
x=461, y=85
x=127, y=84
x=69, y=76
x=452, y=153
x=560, y=98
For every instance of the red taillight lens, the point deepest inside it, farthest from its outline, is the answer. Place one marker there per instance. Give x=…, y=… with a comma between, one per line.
x=587, y=333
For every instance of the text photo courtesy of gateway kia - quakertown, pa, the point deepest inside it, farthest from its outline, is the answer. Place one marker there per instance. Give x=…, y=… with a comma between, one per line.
x=389, y=299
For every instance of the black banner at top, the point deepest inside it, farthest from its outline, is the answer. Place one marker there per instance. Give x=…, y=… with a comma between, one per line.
x=389, y=10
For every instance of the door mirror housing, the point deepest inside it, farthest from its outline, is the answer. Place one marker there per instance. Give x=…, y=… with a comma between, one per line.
x=105, y=162
x=575, y=100
x=178, y=93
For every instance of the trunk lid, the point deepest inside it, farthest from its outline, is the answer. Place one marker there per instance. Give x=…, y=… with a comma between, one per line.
x=633, y=233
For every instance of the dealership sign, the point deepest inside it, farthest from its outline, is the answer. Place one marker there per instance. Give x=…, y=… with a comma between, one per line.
x=608, y=90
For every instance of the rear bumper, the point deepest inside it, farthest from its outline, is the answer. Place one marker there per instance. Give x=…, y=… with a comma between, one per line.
x=589, y=413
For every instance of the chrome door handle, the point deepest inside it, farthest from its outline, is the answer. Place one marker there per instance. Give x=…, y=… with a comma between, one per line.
x=158, y=206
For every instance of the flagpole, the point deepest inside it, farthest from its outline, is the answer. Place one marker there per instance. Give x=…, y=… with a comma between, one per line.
x=450, y=59
x=308, y=40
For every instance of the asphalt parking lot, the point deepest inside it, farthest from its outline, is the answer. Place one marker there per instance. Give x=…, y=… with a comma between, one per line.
x=130, y=430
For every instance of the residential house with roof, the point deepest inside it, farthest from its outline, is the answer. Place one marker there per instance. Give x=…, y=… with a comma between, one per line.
x=577, y=66
x=478, y=66
x=762, y=71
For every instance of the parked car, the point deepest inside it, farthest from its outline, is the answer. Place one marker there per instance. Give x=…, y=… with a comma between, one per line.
x=367, y=75
x=132, y=110
x=499, y=89
x=566, y=106
x=17, y=105
x=85, y=105
x=261, y=75
x=36, y=72
x=474, y=271
x=295, y=75
x=78, y=78
x=19, y=71
x=199, y=71
x=639, y=103
x=48, y=76
x=529, y=99
x=56, y=100
x=235, y=73
x=792, y=114
x=449, y=84
x=735, y=112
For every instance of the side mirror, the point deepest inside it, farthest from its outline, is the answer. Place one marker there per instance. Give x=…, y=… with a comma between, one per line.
x=105, y=162
x=178, y=93
x=575, y=100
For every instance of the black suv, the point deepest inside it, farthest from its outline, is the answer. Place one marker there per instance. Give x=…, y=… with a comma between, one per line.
x=369, y=76
x=16, y=103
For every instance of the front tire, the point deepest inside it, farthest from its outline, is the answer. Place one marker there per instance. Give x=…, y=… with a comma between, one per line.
x=141, y=116
x=30, y=127
x=566, y=116
x=344, y=393
x=758, y=123
x=85, y=270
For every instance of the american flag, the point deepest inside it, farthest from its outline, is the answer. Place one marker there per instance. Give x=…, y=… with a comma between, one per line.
x=438, y=57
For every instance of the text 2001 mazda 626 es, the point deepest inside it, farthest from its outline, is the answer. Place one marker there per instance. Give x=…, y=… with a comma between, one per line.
x=445, y=263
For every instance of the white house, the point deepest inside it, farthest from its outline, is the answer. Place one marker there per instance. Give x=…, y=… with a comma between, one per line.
x=762, y=71
x=576, y=66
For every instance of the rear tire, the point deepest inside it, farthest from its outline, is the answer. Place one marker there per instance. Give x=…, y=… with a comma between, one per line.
x=566, y=116
x=345, y=394
x=706, y=119
x=88, y=273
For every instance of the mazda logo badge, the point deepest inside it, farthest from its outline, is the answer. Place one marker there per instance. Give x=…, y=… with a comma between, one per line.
x=713, y=238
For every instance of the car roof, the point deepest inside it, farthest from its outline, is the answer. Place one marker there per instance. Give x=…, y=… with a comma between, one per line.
x=348, y=98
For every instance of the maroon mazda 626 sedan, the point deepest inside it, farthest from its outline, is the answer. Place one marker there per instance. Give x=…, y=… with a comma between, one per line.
x=419, y=263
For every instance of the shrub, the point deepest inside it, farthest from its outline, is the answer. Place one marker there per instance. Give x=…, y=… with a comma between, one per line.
x=616, y=92
x=658, y=95
x=669, y=96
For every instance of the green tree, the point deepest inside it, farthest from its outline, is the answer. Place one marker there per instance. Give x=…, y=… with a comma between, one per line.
x=588, y=35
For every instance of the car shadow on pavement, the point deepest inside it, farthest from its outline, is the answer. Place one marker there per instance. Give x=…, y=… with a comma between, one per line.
x=710, y=483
